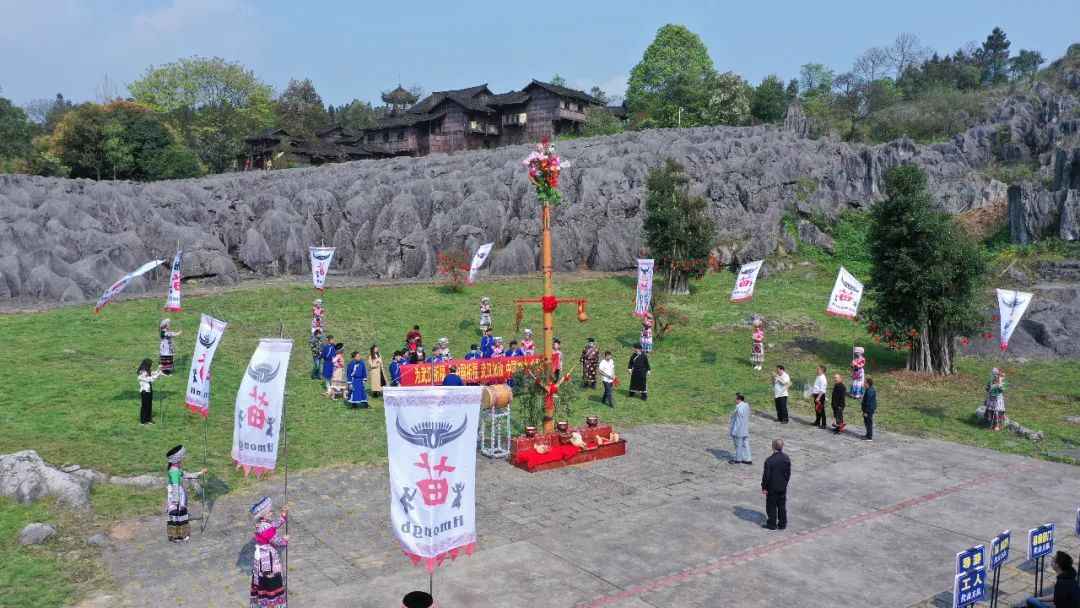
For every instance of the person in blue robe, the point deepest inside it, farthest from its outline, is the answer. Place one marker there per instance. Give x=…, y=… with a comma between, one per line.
x=328, y=352
x=395, y=369
x=357, y=374
x=474, y=353
x=453, y=379
x=514, y=350
x=487, y=343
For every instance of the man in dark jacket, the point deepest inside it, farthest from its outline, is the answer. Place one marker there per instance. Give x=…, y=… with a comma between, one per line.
x=774, y=486
x=869, y=406
x=839, y=395
x=1066, y=589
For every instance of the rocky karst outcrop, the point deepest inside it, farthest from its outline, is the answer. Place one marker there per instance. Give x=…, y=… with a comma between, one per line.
x=67, y=240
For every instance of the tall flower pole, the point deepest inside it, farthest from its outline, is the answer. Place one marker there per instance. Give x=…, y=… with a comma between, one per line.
x=544, y=167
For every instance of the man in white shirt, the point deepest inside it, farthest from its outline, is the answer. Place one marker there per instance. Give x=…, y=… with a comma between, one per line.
x=781, y=381
x=821, y=384
x=607, y=376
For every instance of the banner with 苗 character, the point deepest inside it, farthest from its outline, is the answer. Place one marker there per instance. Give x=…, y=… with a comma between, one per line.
x=260, y=407
x=431, y=448
x=846, y=294
x=472, y=371
x=197, y=398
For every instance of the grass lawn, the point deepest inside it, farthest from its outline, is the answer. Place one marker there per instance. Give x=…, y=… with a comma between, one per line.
x=69, y=388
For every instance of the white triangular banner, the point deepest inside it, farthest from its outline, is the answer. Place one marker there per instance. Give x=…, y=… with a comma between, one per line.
x=744, y=282
x=172, y=303
x=320, y=265
x=198, y=389
x=1011, y=306
x=478, y=260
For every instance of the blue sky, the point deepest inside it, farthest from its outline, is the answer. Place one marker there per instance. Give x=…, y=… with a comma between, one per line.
x=356, y=49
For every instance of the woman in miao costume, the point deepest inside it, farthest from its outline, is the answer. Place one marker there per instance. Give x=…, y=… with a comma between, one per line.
x=178, y=526
x=995, y=399
x=646, y=332
x=165, y=360
x=858, y=362
x=485, y=313
x=338, y=381
x=267, y=585
x=528, y=346
x=757, y=349
x=317, y=312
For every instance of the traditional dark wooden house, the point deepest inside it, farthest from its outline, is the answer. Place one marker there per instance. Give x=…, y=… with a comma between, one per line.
x=277, y=149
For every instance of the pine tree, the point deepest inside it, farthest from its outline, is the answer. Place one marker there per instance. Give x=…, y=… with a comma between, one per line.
x=678, y=229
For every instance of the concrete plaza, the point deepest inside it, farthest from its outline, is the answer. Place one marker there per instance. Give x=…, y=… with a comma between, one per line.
x=670, y=524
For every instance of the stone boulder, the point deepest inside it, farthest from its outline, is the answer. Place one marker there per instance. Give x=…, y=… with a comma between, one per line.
x=25, y=477
x=35, y=534
x=1031, y=216
x=810, y=234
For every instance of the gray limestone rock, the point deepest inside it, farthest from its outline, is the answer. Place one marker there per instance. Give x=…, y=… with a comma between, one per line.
x=25, y=477
x=1030, y=212
x=35, y=534
x=98, y=540
x=809, y=234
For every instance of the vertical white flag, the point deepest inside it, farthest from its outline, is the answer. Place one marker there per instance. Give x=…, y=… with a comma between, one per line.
x=1011, y=306
x=119, y=286
x=260, y=407
x=744, y=283
x=431, y=445
x=172, y=304
x=644, y=286
x=478, y=260
x=198, y=389
x=846, y=294
x=320, y=264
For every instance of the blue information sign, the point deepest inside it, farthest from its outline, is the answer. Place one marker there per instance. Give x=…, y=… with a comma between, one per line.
x=969, y=587
x=970, y=559
x=1040, y=541
x=999, y=549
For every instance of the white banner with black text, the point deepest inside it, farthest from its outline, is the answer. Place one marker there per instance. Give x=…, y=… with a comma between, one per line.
x=320, y=265
x=478, y=260
x=644, y=286
x=260, y=408
x=198, y=388
x=172, y=303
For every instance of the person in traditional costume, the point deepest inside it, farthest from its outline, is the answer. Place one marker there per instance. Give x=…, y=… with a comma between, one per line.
x=739, y=429
x=995, y=399
x=485, y=313
x=395, y=368
x=267, y=584
x=858, y=362
x=514, y=350
x=356, y=373
x=487, y=343
x=528, y=346
x=317, y=315
x=590, y=361
x=375, y=371
x=146, y=391
x=165, y=360
x=413, y=339
x=757, y=348
x=327, y=357
x=497, y=348
x=556, y=358
x=339, y=384
x=474, y=352
x=178, y=526
x=316, y=353
x=442, y=349
x=639, y=370
x=646, y=332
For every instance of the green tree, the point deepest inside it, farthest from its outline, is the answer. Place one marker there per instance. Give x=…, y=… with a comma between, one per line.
x=14, y=131
x=600, y=121
x=558, y=81
x=300, y=110
x=600, y=95
x=1026, y=64
x=173, y=162
x=356, y=115
x=993, y=57
x=208, y=98
x=729, y=100
x=770, y=100
x=926, y=273
x=80, y=141
x=671, y=83
x=677, y=226
x=816, y=80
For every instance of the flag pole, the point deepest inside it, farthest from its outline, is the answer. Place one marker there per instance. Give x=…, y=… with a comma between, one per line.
x=285, y=454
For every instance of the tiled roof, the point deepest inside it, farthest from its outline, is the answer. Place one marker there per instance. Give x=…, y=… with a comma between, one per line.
x=563, y=91
x=508, y=99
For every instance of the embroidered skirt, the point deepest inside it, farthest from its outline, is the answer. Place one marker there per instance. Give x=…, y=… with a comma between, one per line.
x=178, y=527
x=165, y=362
x=857, y=386
x=995, y=408
x=267, y=591
x=485, y=319
x=757, y=352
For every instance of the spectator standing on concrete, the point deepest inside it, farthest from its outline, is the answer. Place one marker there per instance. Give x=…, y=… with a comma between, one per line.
x=869, y=406
x=781, y=382
x=839, y=401
x=818, y=391
x=774, y=482
x=1066, y=590
x=740, y=431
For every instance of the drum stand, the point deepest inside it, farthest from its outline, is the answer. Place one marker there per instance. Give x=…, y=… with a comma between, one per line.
x=495, y=432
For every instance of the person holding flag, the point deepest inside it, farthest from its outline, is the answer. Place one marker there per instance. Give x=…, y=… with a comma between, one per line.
x=267, y=584
x=166, y=352
x=995, y=399
x=179, y=527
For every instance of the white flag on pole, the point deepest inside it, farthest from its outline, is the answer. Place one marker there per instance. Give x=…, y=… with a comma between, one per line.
x=260, y=407
x=744, y=283
x=846, y=294
x=172, y=303
x=644, y=286
x=320, y=264
x=119, y=286
x=478, y=260
x=198, y=389
x=1011, y=306
x=431, y=444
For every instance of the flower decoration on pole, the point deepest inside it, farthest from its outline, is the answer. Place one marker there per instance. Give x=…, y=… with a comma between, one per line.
x=544, y=166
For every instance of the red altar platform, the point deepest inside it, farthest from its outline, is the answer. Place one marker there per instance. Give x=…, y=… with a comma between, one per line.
x=524, y=456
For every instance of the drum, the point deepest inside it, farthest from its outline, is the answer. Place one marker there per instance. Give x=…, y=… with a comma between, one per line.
x=497, y=396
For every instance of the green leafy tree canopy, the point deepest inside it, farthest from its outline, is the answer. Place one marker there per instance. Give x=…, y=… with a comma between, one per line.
x=300, y=110
x=671, y=83
x=678, y=229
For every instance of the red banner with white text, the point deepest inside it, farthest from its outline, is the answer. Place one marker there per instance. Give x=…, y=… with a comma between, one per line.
x=483, y=371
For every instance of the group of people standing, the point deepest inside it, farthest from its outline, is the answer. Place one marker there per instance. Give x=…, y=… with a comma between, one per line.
x=867, y=395
x=638, y=369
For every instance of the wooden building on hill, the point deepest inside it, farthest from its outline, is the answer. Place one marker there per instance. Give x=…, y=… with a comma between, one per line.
x=277, y=149
x=475, y=118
